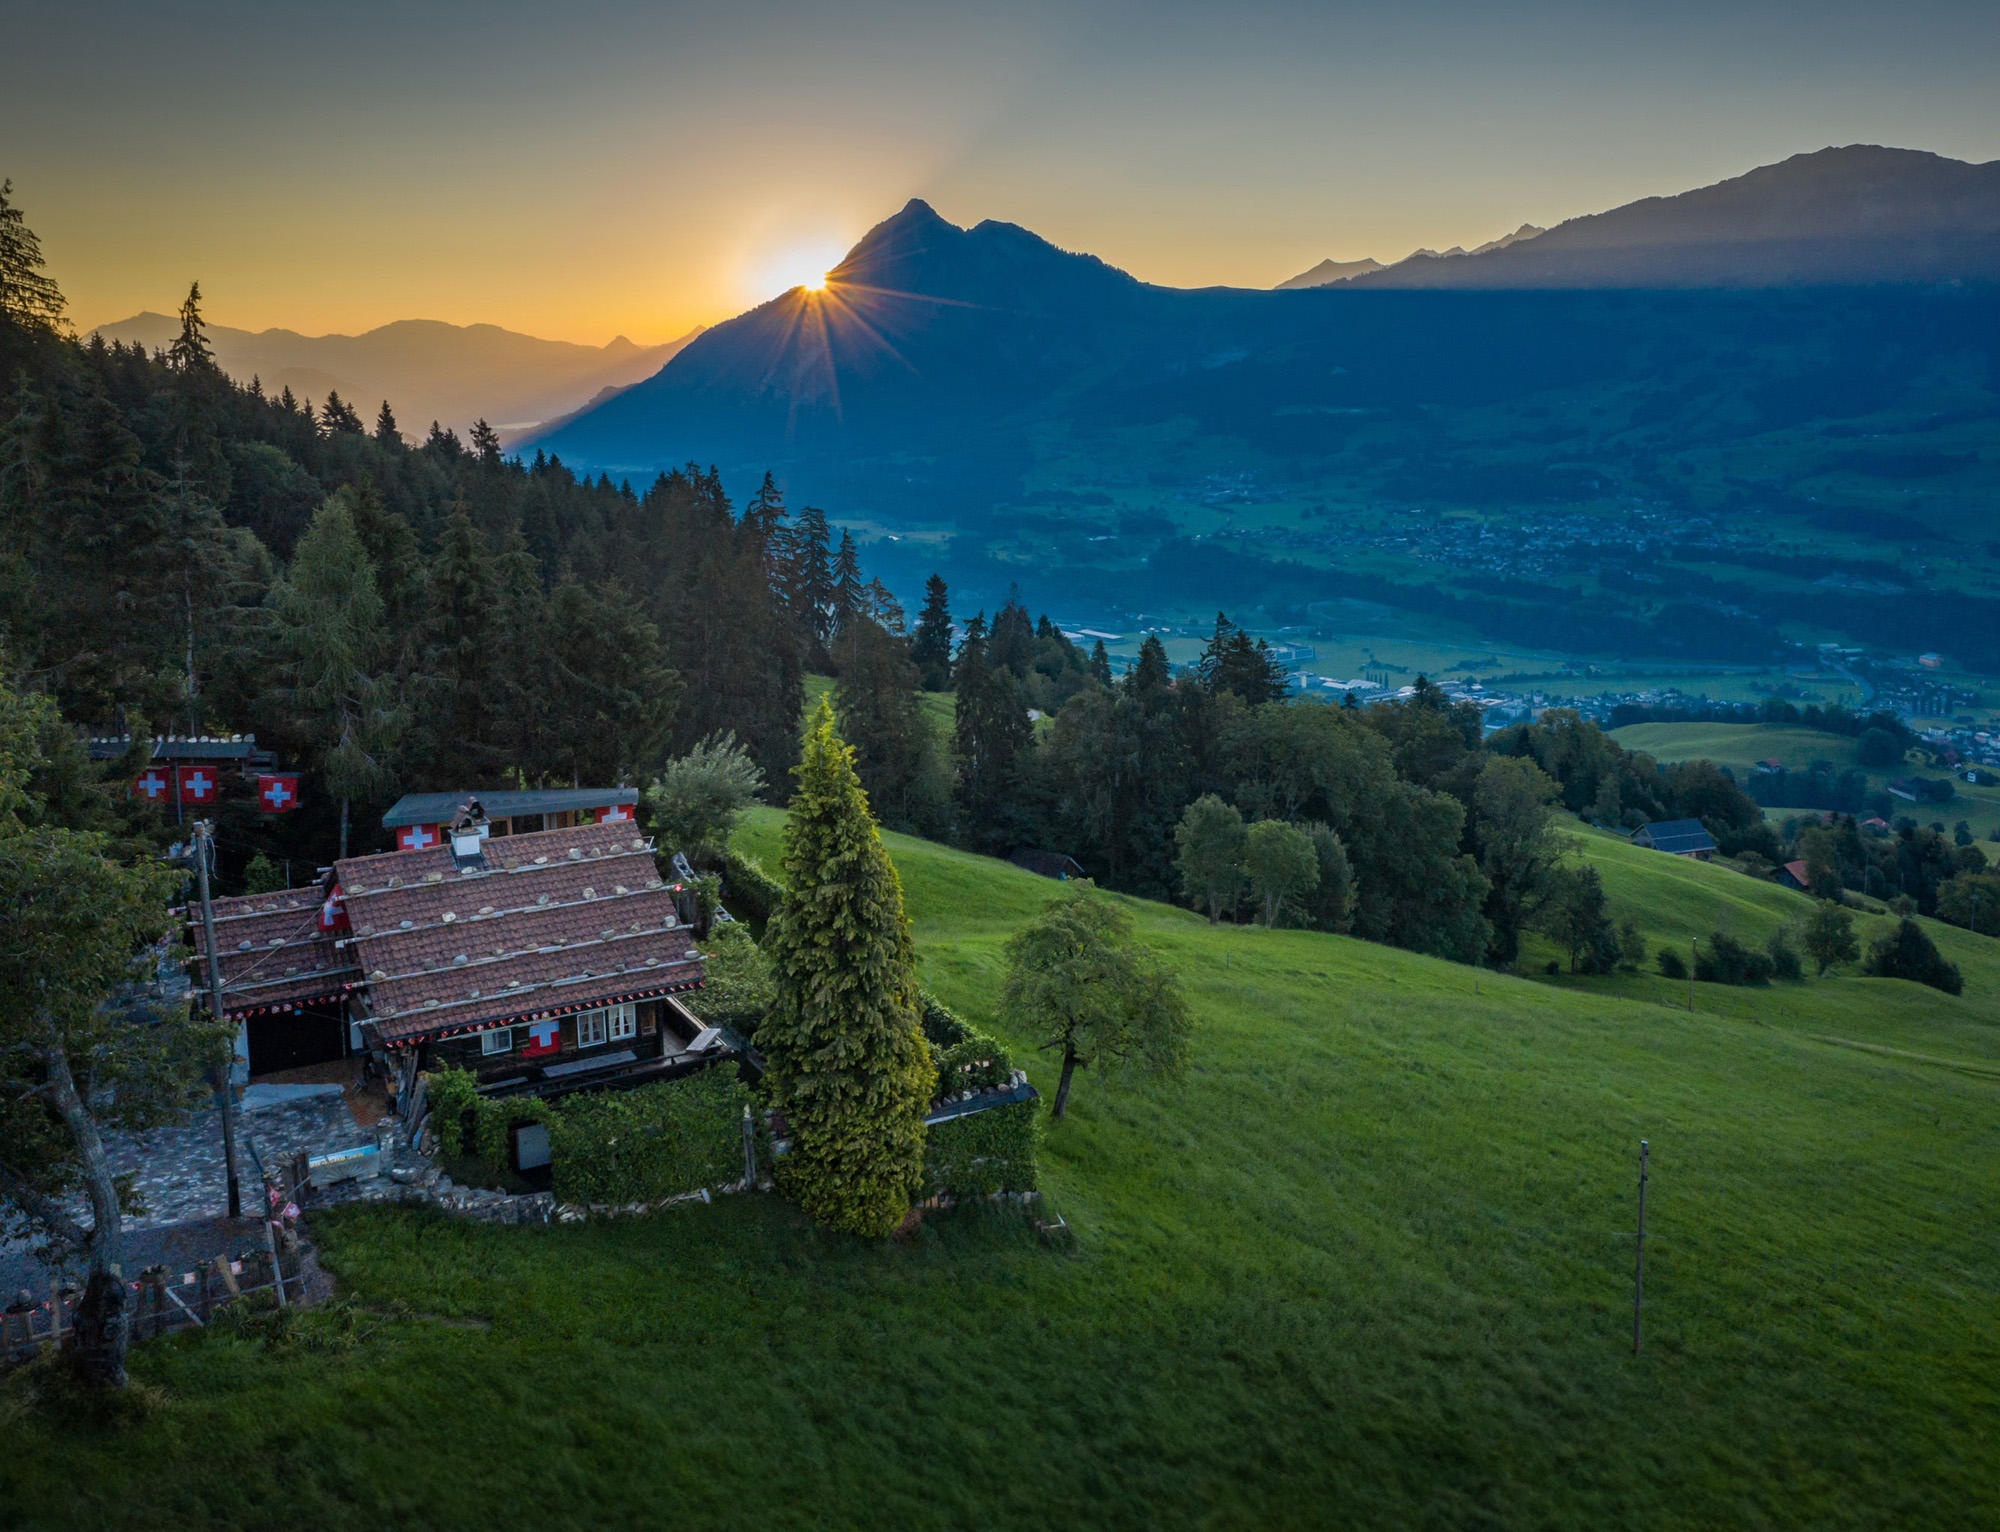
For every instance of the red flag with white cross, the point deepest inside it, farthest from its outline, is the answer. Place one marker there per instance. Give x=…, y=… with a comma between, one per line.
x=196, y=784
x=616, y=814
x=417, y=837
x=153, y=784
x=278, y=794
x=543, y=1037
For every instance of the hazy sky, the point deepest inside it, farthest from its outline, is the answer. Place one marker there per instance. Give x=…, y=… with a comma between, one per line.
x=579, y=169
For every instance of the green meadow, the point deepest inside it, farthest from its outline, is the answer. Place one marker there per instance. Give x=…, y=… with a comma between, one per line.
x=1368, y=1265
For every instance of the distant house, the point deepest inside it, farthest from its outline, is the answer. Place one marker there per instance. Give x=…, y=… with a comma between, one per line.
x=1875, y=824
x=1049, y=864
x=1904, y=788
x=1770, y=765
x=1677, y=837
x=1795, y=875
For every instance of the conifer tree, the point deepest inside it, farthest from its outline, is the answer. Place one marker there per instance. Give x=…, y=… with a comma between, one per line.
x=850, y=597
x=460, y=646
x=190, y=351
x=881, y=718
x=485, y=444
x=385, y=427
x=330, y=636
x=29, y=300
x=930, y=646
x=807, y=583
x=849, y=1067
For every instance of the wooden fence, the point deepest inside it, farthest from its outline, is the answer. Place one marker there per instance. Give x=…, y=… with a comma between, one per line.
x=165, y=1300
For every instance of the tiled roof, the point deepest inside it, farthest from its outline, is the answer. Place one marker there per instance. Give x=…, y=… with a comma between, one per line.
x=271, y=951
x=547, y=922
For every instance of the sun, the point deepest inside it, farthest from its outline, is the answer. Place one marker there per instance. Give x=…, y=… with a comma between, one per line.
x=806, y=264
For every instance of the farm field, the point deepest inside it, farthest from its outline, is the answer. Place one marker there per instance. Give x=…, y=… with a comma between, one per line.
x=1368, y=1265
x=1739, y=746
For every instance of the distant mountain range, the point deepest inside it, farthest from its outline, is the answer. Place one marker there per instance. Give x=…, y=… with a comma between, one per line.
x=1329, y=271
x=426, y=369
x=932, y=369
x=1858, y=215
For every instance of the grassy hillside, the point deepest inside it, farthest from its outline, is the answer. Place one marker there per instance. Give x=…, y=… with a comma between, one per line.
x=1369, y=1265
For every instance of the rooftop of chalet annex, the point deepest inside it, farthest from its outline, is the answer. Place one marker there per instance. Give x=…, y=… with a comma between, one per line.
x=536, y=924
x=272, y=952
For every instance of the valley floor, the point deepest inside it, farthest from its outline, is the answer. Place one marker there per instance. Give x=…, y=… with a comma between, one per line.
x=1369, y=1265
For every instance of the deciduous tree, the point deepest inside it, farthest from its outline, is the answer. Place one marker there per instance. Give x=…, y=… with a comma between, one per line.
x=1210, y=841
x=1080, y=980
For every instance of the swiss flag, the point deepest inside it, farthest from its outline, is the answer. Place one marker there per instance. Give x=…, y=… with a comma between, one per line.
x=543, y=1037
x=618, y=813
x=278, y=794
x=197, y=783
x=417, y=837
x=333, y=913
x=153, y=785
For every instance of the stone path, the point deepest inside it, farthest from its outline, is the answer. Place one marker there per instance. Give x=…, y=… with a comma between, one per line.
x=181, y=1177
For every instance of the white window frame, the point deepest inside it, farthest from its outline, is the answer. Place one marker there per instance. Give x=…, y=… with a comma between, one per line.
x=496, y=1040
x=624, y=1021
x=590, y=1029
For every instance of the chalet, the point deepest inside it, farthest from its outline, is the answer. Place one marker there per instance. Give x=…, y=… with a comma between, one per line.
x=1875, y=824
x=1769, y=766
x=1677, y=837
x=542, y=961
x=1795, y=875
x=419, y=820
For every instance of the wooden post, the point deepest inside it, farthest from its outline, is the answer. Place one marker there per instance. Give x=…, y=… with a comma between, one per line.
x=749, y=1152
x=277, y=1271
x=225, y=1100
x=204, y=1304
x=1639, y=1263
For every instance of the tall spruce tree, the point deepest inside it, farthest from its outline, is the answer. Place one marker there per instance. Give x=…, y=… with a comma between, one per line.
x=849, y=1067
x=930, y=646
x=882, y=719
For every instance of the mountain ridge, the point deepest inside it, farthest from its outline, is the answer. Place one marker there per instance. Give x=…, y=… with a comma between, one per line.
x=428, y=369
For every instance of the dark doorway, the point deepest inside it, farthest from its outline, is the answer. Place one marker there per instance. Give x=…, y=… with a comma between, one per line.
x=293, y=1039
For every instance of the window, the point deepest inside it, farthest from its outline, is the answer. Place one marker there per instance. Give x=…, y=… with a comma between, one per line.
x=499, y=1040
x=589, y=1028
x=624, y=1021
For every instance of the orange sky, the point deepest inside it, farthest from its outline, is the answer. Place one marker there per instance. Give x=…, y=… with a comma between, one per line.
x=603, y=167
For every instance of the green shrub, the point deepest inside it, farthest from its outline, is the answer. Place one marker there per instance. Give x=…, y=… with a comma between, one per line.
x=1672, y=964
x=654, y=1142
x=1724, y=960
x=966, y=1058
x=739, y=989
x=453, y=1093
x=1784, y=957
x=1909, y=953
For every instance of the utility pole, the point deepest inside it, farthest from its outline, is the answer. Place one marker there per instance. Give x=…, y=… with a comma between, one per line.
x=1694, y=943
x=1639, y=1266
x=204, y=849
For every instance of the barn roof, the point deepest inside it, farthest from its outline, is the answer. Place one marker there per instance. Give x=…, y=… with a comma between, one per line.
x=1678, y=835
x=552, y=921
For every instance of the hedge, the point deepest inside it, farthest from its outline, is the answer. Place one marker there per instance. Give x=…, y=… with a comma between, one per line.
x=654, y=1142
x=639, y=1145
x=984, y=1152
x=753, y=894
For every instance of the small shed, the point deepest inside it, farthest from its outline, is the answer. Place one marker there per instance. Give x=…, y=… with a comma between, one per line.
x=1795, y=875
x=1049, y=864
